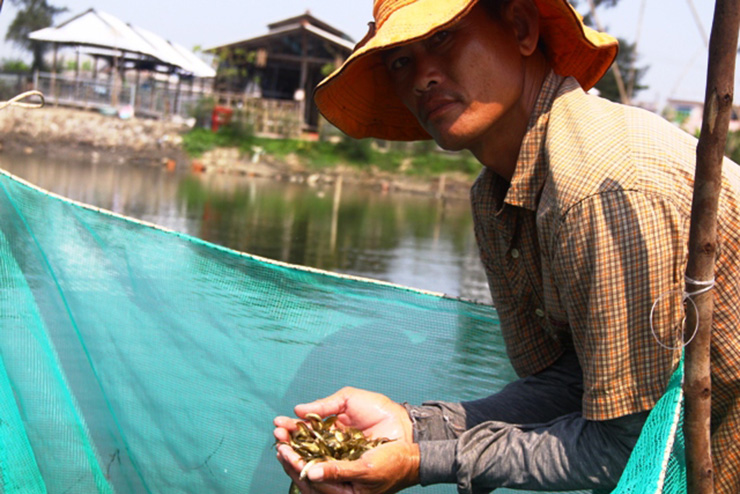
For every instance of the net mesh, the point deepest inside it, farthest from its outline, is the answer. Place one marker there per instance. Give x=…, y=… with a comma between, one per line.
x=658, y=462
x=134, y=359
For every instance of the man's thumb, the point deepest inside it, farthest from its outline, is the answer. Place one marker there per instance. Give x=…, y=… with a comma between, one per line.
x=316, y=473
x=333, y=471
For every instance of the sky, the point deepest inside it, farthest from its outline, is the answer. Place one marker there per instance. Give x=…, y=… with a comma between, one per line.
x=669, y=40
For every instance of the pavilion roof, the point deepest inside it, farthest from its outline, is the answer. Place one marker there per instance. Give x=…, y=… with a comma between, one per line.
x=97, y=29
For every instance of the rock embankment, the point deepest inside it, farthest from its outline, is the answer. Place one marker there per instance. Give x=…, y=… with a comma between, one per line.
x=79, y=132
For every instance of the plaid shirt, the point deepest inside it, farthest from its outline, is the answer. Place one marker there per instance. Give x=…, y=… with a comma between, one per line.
x=591, y=234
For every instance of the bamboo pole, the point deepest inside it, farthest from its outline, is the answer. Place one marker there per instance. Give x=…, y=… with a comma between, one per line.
x=703, y=242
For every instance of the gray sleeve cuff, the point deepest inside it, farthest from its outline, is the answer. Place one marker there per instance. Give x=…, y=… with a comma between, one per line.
x=436, y=420
x=437, y=463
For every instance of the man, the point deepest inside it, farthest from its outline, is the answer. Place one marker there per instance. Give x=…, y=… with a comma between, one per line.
x=581, y=216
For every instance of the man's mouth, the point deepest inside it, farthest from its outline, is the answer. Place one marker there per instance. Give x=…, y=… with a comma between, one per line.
x=435, y=106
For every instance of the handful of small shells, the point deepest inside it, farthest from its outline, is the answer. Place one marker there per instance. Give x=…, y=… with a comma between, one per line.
x=322, y=440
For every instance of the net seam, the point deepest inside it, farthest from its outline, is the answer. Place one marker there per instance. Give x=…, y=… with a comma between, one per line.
x=671, y=438
x=242, y=254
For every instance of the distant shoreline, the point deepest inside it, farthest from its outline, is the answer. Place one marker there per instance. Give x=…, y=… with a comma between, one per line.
x=87, y=135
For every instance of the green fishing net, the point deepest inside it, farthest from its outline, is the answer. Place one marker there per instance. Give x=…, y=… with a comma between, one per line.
x=658, y=462
x=139, y=360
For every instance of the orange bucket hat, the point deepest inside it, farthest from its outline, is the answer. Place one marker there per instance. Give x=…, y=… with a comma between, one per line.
x=358, y=97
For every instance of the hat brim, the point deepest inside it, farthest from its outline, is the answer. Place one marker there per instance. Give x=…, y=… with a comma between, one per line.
x=358, y=98
x=571, y=47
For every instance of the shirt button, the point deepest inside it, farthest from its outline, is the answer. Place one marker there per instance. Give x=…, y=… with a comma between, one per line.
x=515, y=253
x=539, y=313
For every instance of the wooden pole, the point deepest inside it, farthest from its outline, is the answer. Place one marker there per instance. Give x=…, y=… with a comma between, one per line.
x=54, y=76
x=335, y=214
x=115, y=82
x=137, y=88
x=703, y=243
x=166, y=92
x=77, y=73
x=176, y=109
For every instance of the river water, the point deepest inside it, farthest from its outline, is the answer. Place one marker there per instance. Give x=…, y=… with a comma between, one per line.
x=411, y=240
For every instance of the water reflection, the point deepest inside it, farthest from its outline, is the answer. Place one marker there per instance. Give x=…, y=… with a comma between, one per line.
x=410, y=240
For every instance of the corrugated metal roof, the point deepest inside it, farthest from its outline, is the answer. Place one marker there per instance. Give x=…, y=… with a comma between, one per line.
x=329, y=36
x=281, y=28
x=102, y=30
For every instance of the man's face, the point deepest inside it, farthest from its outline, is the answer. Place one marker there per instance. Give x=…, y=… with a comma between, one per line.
x=463, y=83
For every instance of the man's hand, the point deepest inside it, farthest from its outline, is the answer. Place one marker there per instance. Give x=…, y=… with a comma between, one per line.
x=387, y=468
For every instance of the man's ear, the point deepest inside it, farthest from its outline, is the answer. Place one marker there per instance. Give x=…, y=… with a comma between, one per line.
x=524, y=18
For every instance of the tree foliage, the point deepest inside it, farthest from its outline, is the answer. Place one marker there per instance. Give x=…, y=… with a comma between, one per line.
x=626, y=59
x=13, y=65
x=631, y=74
x=587, y=18
x=32, y=15
x=235, y=65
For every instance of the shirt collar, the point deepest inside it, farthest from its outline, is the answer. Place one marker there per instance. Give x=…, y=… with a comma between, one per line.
x=531, y=167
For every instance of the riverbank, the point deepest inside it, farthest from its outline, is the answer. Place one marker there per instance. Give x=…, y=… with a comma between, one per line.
x=88, y=135
x=91, y=135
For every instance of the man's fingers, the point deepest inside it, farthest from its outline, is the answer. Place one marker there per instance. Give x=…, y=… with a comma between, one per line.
x=285, y=422
x=331, y=405
x=290, y=470
x=283, y=428
x=281, y=435
x=292, y=464
x=290, y=455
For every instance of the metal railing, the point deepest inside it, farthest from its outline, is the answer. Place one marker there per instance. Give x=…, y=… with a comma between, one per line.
x=148, y=98
x=156, y=99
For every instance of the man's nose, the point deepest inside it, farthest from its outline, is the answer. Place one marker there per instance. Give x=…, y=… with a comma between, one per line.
x=427, y=73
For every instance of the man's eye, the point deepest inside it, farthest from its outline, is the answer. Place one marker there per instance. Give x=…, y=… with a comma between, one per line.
x=440, y=36
x=398, y=63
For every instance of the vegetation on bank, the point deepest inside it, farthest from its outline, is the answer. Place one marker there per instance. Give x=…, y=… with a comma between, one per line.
x=414, y=159
x=732, y=147
x=332, y=148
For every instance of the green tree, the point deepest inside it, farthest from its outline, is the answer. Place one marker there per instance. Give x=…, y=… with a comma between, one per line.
x=631, y=74
x=32, y=15
x=585, y=4
x=732, y=146
x=235, y=65
x=13, y=65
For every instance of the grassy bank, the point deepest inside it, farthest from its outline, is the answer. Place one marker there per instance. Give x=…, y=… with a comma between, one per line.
x=419, y=159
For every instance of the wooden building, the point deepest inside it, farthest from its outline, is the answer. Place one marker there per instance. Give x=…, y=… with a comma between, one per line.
x=284, y=64
x=689, y=114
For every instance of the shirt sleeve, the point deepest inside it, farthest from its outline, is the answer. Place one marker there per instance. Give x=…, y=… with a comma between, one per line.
x=568, y=453
x=617, y=262
x=539, y=398
x=437, y=425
